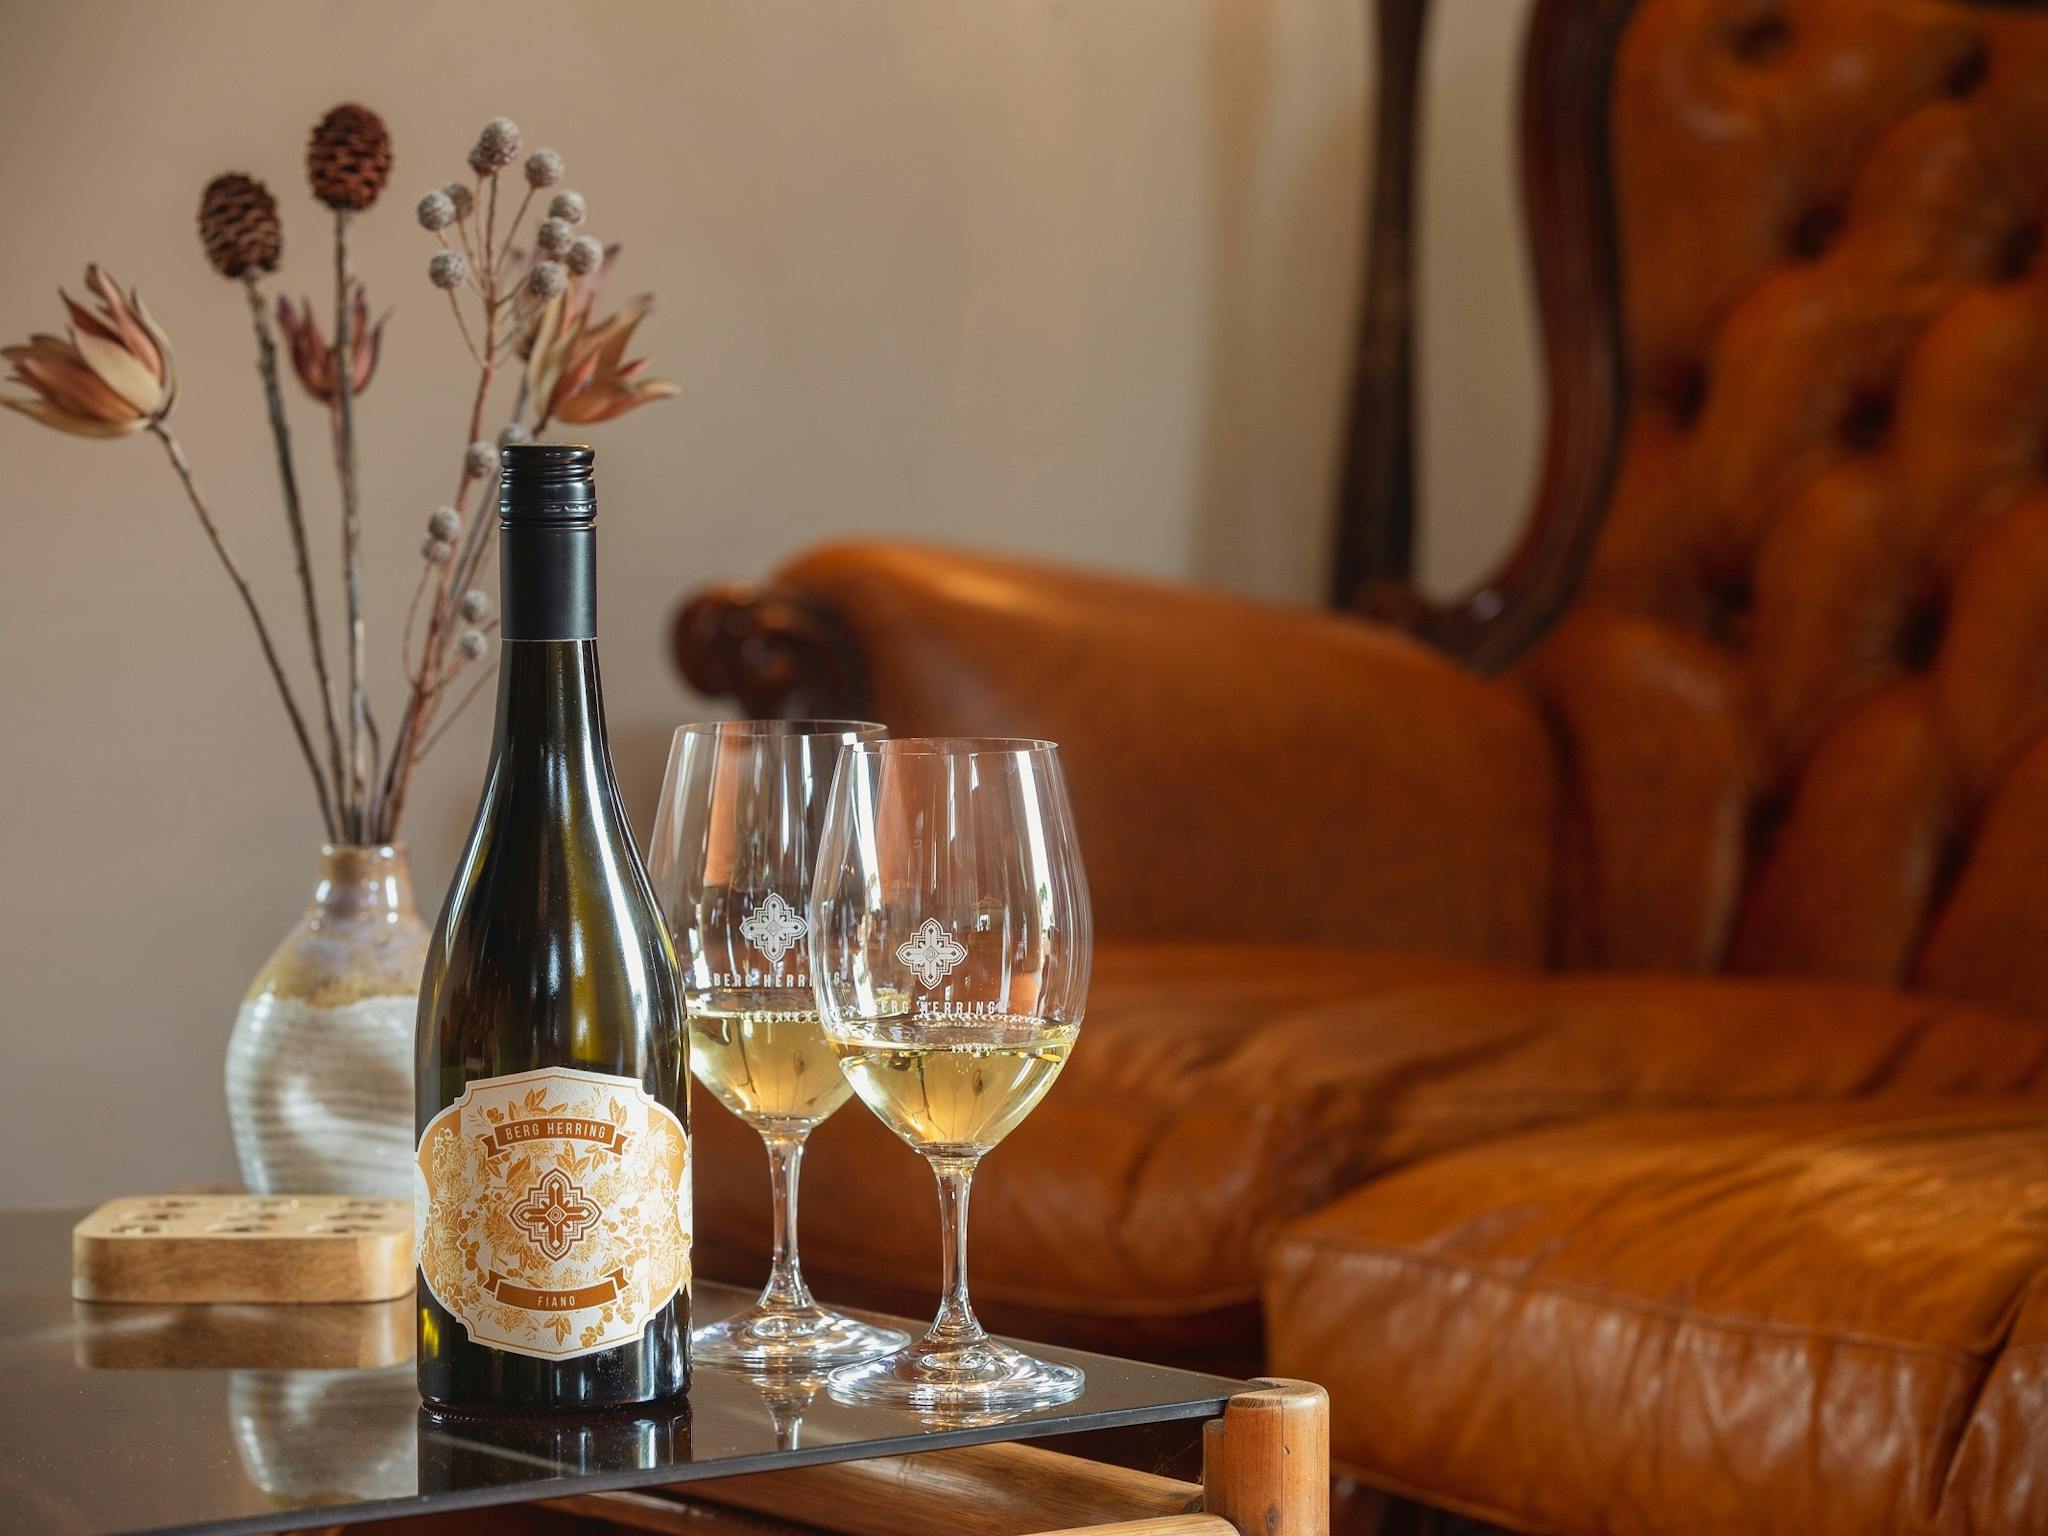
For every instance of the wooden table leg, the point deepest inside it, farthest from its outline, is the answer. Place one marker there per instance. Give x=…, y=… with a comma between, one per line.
x=1266, y=1462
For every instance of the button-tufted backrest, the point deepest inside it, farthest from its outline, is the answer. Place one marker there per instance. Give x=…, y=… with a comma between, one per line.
x=1802, y=691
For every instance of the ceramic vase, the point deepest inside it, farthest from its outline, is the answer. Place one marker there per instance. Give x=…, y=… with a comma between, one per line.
x=320, y=1063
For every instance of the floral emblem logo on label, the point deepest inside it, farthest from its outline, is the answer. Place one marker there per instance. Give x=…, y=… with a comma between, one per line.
x=773, y=927
x=932, y=953
x=555, y=1214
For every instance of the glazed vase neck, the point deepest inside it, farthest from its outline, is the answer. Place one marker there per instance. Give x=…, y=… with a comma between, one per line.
x=363, y=881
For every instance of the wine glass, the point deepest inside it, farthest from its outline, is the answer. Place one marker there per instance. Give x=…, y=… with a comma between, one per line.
x=950, y=945
x=731, y=863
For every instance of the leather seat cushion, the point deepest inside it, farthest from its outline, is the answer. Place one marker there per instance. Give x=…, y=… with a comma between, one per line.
x=1218, y=1092
x=1127, y=1211
x=1811, y=1319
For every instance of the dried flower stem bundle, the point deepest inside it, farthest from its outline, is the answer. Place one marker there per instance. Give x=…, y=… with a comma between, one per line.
x=534, y=300
x=521, y=292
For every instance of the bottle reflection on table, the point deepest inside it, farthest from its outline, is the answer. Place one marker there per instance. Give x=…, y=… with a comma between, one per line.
x=458, y=1451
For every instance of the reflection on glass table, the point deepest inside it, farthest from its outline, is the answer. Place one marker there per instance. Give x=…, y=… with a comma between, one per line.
x=122, y=1419
x=313, y=1435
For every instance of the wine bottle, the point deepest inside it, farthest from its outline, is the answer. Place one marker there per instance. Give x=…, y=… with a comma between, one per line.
x=552, y=1188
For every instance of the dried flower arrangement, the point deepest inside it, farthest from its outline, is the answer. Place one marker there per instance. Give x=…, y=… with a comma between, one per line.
x=533, y=302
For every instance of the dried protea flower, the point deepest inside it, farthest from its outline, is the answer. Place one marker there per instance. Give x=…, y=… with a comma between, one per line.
x=436, y=211
x=313, y=358
x=238, y=225
x=463, y=199
x=553, y=237
x=471, y=644
x=479, y=459
x=498, y=144
x=584, y=256
x=446, y=523
x=447, y=269
x=543, y=168
x=568, y=207
x=476, y=605
x=547, y=279
x=577, y=370
x=515, y=432
x=114, y=376
x=436, y=551
x=349, y=158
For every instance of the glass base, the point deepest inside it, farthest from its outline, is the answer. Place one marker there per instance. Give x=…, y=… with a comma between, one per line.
x=981, y=1374
x=791, y=1339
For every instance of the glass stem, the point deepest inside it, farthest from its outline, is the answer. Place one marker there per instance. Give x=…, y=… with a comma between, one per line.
x=956, y=1323
x=785, y=1290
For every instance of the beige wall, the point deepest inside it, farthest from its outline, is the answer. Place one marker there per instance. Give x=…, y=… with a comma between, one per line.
x=1065, y=278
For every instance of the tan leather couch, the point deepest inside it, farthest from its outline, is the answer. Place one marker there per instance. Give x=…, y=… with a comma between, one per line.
x=1622, y=1081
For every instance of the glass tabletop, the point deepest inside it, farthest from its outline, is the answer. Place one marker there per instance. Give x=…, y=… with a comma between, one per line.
x=131, y=1418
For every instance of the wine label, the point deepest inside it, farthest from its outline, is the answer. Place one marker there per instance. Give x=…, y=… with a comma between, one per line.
x=551, y=1210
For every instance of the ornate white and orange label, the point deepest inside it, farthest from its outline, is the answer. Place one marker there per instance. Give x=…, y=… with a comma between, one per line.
x=551, y=1210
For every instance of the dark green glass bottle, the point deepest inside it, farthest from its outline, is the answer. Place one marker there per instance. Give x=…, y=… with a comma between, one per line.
x=553, y=1178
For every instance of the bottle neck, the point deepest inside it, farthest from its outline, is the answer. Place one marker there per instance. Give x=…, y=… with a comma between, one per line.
x=547, y=576
x=549, y=696
x=550, y=703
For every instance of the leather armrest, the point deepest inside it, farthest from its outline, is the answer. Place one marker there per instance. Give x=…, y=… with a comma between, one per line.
x=1239, y=770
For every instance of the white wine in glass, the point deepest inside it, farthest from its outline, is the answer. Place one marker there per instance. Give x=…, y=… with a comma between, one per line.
x=949, y=948
x=731, y=863
x=765, y=1056
x=958, y=1089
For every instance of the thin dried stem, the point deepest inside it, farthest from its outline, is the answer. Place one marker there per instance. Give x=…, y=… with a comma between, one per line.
x=413, y=673
x=462, y=229
x=370, y=815
x=294, y=514
x=512, y=229
x=284, y=688
x=463, y=326
x=477, y=540
x=351, y=533
x=491, y=238
x=474, y=538
x=455, y=714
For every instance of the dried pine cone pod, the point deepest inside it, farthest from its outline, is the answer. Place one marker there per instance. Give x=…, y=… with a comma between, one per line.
x=349, y=158
x=238, y=225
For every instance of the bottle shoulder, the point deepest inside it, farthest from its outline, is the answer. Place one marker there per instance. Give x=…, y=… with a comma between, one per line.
x=544, y=903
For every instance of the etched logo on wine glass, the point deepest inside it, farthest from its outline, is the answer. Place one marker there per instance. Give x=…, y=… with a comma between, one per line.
x=555, y=1214
x=773, y=927
x=932, y=953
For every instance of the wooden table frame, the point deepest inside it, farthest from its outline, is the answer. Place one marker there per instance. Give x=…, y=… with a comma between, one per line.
x=1265, y=1472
